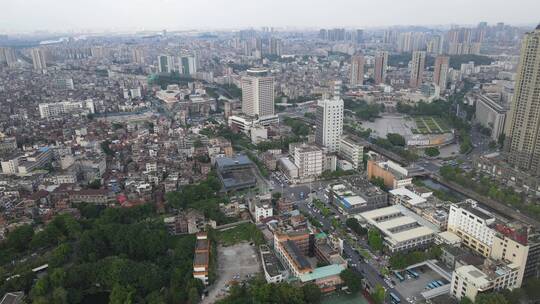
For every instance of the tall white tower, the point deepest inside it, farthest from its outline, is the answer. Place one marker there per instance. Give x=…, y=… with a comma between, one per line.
x=329, y=120
x=258, y=93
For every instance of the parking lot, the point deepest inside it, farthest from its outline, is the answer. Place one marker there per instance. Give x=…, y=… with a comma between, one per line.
x=235, y=263
x=412, y=288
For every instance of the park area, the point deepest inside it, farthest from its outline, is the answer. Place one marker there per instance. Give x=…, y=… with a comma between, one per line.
x=430, y=125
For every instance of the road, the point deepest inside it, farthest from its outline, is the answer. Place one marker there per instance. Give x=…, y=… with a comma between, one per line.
x=368, y=269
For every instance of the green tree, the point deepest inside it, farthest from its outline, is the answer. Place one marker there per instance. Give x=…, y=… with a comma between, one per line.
x=465, y=300
x=355, y=226
x=432, y=152
x=121, y=295
x=396, y=139
x=20, y=237
x=379, y=294
x=352, y=279
x=375, y=240
x=58, y=277
x=490, y=298
x=60, y=296
x=41, y=288
x=193, y=296
x=60, y=255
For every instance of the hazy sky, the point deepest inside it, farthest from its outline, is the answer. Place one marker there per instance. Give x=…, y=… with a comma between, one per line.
x=27, y=15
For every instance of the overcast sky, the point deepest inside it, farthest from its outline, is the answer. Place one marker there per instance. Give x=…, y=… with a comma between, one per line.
x=54, y=15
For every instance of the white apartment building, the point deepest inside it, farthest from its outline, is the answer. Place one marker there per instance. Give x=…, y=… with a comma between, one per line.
x=473, y=225
x=47, y=110
x=258, y=93
x=352, y=151
x=329, y=120
x=10, y=166
x=309, y=160
x=262, y=211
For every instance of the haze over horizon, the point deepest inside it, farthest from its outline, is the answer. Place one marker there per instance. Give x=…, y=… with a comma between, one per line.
x=62, y=15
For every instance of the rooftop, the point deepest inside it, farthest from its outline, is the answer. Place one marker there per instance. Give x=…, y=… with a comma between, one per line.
x=322, y=272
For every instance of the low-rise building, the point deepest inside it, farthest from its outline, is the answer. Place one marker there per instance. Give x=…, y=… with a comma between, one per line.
x=468, y=281
x=201, y=260
x=393, y=175
x=401, y=229
x=274, y=272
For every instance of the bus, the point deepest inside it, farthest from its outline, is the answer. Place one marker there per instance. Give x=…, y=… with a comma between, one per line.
x=399, y=276
x=431, y=286
x=394, y=298
x=436, y=283
x=412, y=273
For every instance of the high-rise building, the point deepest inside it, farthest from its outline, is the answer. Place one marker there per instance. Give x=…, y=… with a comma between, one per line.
x=381, y=64
x=187, y=65
x=441, y=70
x=359, y=36
x=357, y=70
x=165, y=64
x=522, y=127
x=258, y=93
x=7, y=56
x=137, y=56
x=329, y=121
x=275, y=46
x=417, y=68
x=38, y=59
x=435, y=45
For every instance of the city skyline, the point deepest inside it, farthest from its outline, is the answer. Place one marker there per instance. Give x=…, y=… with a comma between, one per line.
x=215, y=14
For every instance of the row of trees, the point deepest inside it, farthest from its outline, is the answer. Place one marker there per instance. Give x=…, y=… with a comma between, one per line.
x=484, y=185
x=400, y=261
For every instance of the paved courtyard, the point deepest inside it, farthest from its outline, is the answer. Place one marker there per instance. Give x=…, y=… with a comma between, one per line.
x=236, y=260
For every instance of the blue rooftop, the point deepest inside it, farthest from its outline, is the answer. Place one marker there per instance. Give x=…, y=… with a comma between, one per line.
x=322, y=272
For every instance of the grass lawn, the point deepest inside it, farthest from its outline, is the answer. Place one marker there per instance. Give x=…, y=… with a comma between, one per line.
x=244, y=232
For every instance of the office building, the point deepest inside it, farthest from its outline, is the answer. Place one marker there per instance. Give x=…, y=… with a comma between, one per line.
x=473, y=225
x=258, y=93
x=381, y=64
x=491, y=114
x=417, y=68
x=165, y=64
x=357, y=70
x=441, y=71
x=309, y=160
x=38, y=59
x=523, y=123
x=329, y=121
